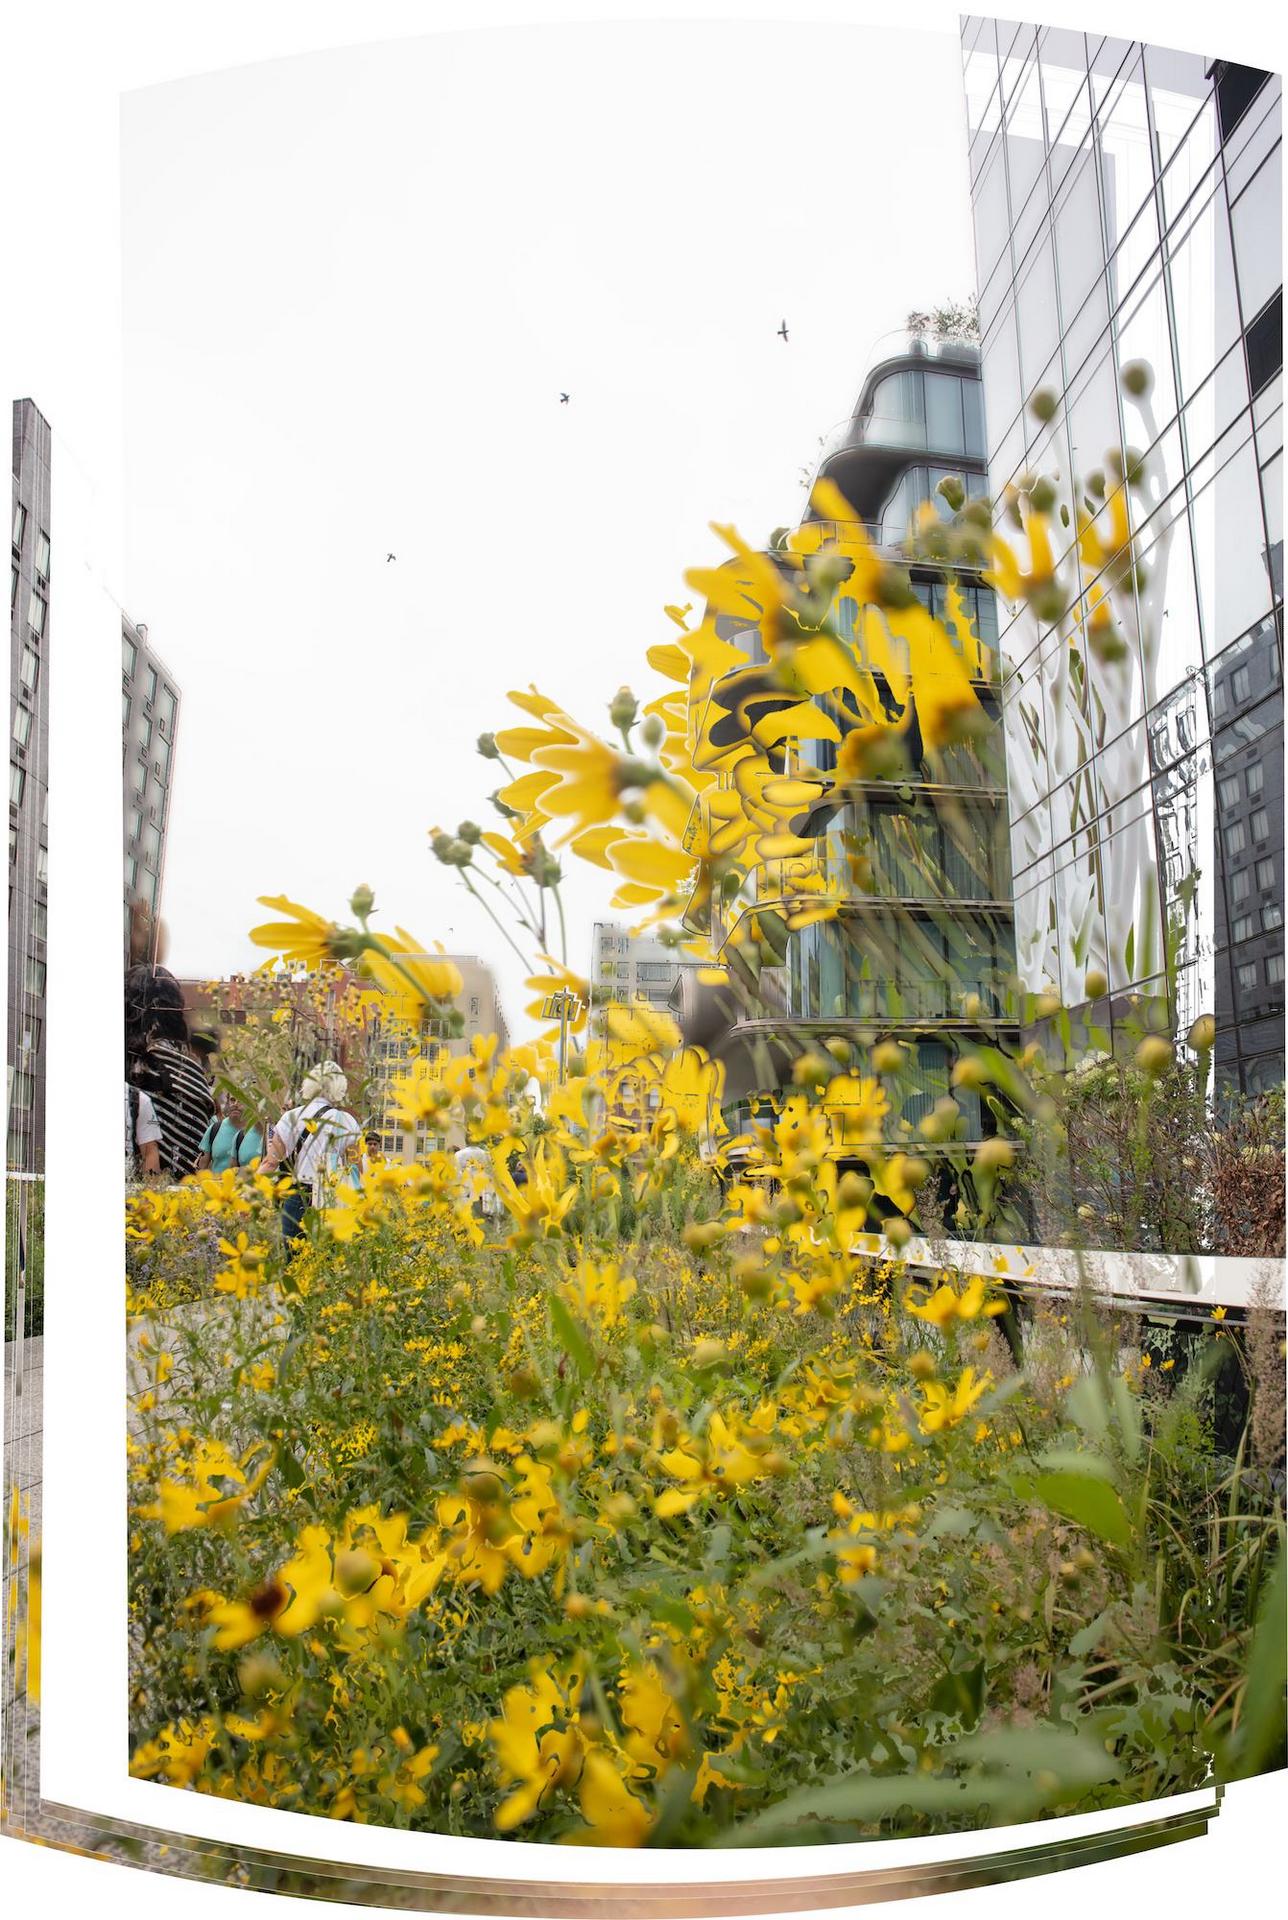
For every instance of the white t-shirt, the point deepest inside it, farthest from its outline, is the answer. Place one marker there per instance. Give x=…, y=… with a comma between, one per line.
x=146, y=1127
x=322, y=1154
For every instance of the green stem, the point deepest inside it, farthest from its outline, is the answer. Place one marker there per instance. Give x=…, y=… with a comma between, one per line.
x=563, y=927
x=500, y=925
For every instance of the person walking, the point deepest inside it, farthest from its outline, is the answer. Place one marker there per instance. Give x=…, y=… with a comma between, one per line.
x=229, y=1142
x=159, y=1061
x=313, y=1143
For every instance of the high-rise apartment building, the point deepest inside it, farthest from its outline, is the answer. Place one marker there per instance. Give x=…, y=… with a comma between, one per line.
x=1127, y=210
x=627, y=968
x=29, y=640
x=479, y=1004
x=149, y=721
x=913, y=939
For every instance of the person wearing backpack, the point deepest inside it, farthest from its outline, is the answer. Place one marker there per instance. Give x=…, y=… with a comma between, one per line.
x=142, y=1136
x=228, y=1142
x=312, y=1144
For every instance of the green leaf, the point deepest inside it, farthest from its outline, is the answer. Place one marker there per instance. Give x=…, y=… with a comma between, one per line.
x=960, y=1695
x=861, y=1797
x=1085, y=1405
x=1074, y=1460
x=1089, y=1637
x=1089, y=1502
x=1078, y=1760
x=1259, y=1739
x=289, y=1467
x=950, y=1522
x=571, y=1338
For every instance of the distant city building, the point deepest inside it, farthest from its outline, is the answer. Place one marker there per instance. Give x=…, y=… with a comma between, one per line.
x=626, y=968
x=1127, y=208
x=480, y=1006
x=29, y=639
x=149, y=721
x=321, y=1015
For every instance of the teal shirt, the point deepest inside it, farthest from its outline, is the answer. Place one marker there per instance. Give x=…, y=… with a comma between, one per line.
x=219, y=1140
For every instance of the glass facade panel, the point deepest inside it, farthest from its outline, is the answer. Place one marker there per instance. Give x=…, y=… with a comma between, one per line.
x=1234, y=587
x=945, y=428
x=1201, y=270
x=1114, y=750
x=1257, y=219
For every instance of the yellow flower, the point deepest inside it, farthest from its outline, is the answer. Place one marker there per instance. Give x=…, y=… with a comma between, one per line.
x=177, y=1755
x=402, y=1782
x=412, y=978
x=244, y=1270
x=614, y=1816
x=945, y=1305
x=306, y=937
x=537, y=1740
x=943, y=1409
x=213, y=1488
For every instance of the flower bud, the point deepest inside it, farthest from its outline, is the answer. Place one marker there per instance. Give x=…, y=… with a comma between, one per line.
x=362, y=902
x=653, y=731
x=1154, y=1055
x=469, y=833
x=1202, y=1035
x=991, y=1155
x=623, y=709
x=487, y=746
x=1095, y=985
x=1043, y=405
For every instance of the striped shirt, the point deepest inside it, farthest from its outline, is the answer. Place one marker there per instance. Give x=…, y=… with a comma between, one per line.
x=183, y=1103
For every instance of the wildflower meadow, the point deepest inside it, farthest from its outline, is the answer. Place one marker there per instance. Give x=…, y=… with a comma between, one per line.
x=667, y=1499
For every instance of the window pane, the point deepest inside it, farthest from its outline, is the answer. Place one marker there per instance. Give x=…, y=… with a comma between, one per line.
x=944, y=427
x=1265, y=343
x=36, y=614
x=42, y=554
x=1229, y=546
x=1257, y=219
x=1203, y=297
x=973, y=409
x=1236, y=88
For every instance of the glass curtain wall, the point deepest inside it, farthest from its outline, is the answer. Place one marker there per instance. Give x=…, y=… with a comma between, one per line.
x=1126, y=204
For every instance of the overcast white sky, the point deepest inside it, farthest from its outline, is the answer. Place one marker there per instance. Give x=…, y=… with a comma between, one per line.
x=355, y=284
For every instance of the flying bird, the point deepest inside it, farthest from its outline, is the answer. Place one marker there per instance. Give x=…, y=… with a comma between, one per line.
x=563, y=399
x=389, y=557
x=783, y=330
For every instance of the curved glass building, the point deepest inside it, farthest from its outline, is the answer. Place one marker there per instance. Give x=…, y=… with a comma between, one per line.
x=913, y=867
